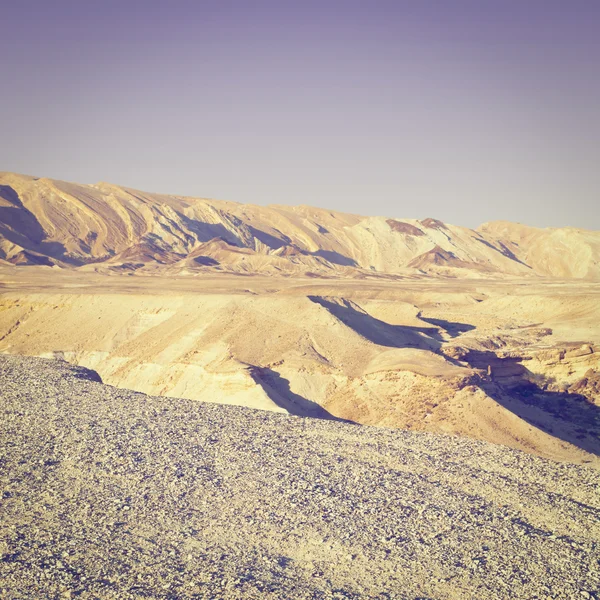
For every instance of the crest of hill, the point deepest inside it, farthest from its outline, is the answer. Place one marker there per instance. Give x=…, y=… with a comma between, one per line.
x=107, y=227
x=201, y=500
x=565, y=252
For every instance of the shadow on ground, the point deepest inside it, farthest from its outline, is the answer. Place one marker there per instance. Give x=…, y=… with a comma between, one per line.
x=379, y=332
x=568, y=416
x=452, y=328
x=278, y=390
x=335, y=257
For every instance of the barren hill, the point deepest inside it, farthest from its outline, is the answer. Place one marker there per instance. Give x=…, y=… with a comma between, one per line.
x=108, y=493
x=107, y=228
x=499, y=361
x=491, y=334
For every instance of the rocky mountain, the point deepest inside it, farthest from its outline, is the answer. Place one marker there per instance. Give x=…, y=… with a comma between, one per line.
x=107, y=228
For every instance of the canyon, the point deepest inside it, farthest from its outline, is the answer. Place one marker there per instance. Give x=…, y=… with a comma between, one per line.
x=490, y=333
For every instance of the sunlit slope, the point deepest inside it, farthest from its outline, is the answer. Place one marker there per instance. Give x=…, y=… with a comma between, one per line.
x=374, y=362
x=115, y=494
x=110, y=228
x=565, y=252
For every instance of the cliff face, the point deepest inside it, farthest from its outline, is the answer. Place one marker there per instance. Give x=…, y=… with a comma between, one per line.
x=107, y=227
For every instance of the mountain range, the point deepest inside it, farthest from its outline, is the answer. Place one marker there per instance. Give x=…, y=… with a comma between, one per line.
x=109, y=228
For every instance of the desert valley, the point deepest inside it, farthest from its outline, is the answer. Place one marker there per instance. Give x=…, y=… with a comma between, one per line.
x=490, y=333
x=488, y=336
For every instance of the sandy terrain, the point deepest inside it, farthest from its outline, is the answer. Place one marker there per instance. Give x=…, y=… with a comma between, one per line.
x=108, y=493
x=503, y=361
x=491, y=333
x=489, y=336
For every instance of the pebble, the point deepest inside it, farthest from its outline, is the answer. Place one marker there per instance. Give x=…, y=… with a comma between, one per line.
x=335, y=510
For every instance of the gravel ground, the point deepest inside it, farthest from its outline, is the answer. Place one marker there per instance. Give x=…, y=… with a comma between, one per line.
x=107, y=493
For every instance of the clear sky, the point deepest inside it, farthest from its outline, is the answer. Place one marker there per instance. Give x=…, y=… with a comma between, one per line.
x=466, y=111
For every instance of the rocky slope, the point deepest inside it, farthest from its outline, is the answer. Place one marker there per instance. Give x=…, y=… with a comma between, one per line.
x=114, y=229
x=393, y=355
x=114, y=494
x=512, y=366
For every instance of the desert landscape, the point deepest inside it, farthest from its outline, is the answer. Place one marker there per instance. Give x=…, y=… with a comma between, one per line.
x=490, y=333
x=300, y=300
x=110, y=493
x=438, y=391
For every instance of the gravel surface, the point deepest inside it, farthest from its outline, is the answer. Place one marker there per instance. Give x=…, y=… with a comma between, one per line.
x=107, y=493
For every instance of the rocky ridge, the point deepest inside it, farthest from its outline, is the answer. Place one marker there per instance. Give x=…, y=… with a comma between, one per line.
x=112, y=229
x=115, y=494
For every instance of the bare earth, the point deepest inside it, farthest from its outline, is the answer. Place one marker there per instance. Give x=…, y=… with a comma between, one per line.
x=507, y=361
x=475, y=353
x=108, y=493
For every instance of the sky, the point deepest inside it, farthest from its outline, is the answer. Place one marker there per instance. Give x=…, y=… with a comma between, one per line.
x=462, y=110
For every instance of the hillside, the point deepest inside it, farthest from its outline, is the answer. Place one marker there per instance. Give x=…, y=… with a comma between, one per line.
x=112, y=229
x=511, y=364
x=114, y=494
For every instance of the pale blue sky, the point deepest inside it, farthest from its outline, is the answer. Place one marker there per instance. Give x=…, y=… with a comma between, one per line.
x=460, y=110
